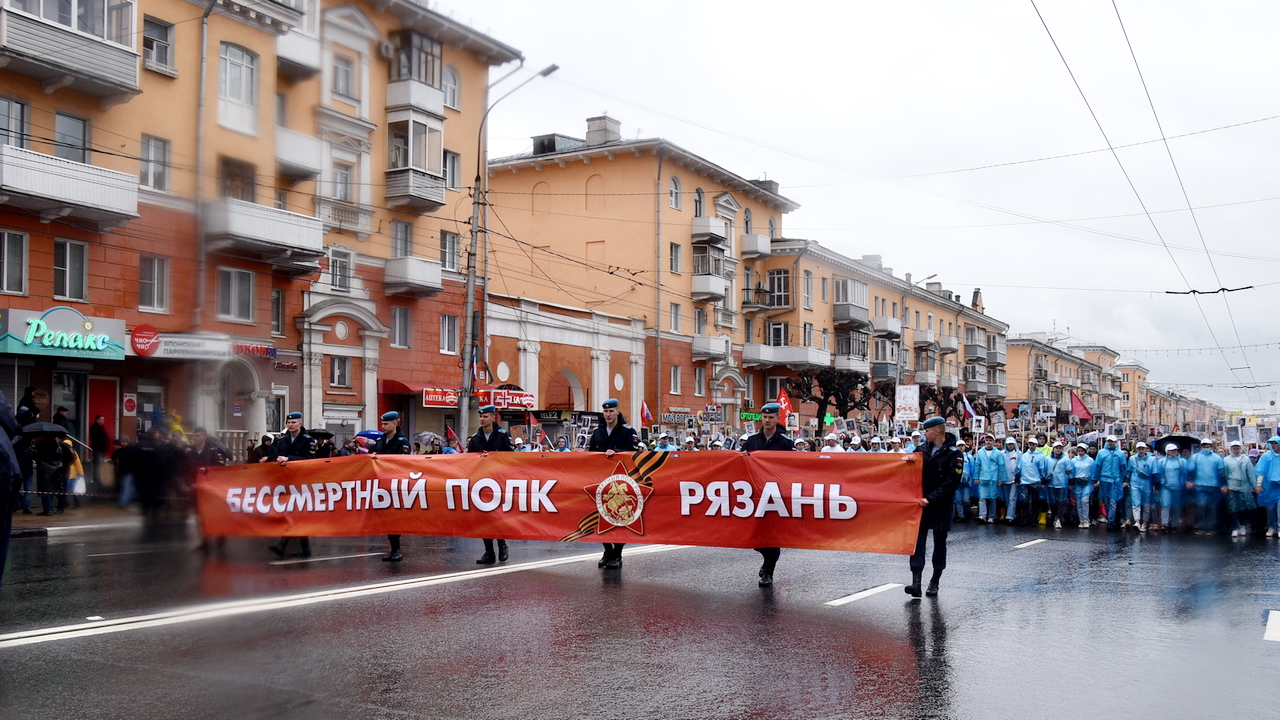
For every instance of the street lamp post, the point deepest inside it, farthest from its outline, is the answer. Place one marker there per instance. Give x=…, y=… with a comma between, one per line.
x=902, y=335
x=469, y=322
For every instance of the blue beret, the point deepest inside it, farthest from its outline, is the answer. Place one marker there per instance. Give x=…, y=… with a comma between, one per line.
x=488, y=408
x=391, y=415
x=610, y=403
x=771, y=408
x=295, y=415
x=933, y=422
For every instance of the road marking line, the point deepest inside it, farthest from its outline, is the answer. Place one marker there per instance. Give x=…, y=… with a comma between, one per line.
x=244, y=607
x=134, y=552
x=94, y=617
x=1029, y=543
x=1273, y=626
x=864, y=594
x=322, y=559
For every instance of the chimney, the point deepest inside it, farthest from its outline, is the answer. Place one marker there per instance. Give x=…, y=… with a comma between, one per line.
x=872, y=261
x=935, y=288
x=770, y=186
x=908, y=278
x=603, y=129
x=977, y=300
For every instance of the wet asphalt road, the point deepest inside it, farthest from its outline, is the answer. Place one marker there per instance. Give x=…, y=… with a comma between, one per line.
x=1087, y=624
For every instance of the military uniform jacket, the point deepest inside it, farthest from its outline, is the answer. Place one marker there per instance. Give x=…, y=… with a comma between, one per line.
x=302, y=447
x=623, y=438
x=210, y=456
x=499, y=441
x=779, y=441
x=397, y=444
x=940, y=478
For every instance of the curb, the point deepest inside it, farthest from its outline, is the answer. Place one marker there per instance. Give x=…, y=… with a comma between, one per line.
x=29, y=533
x=58, y=530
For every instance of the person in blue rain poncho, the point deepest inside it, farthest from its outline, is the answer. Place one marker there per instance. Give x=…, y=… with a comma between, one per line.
x=1010, y=487
x=1082, y=482
x=964, y=492
x=1268, y=485
x=1059, y=464
x=1240, y=501
x=1171, y=473
x=1209, y=476
x=1142, y=471
x=989, y=469
x=1109, y=472
x=1033, y=471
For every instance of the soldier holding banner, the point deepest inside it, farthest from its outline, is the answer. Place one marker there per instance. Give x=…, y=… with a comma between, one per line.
x=392, y=442
x=294, y=444
x=942, y=468
x=770, y=437
x=490, y=438
x=612, y=436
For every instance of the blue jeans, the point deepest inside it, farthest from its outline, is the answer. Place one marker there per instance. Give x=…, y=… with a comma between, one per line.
x=1058, y=502
x=1207, y=506
x=1010, y=492
x=1273, y=516
x=1107, y=500
x=962, y=501
x=126, y=490
x=1082, y=489
x=27, y=481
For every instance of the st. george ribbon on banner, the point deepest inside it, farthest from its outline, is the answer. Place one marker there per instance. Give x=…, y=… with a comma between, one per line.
x=860, y=502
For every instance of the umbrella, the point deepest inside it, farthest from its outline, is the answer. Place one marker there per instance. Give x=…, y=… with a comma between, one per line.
x=216, y=441
x=43, y=428
x=1184, y=442
x=369, y=434
x=426, y=436
x=320, y=433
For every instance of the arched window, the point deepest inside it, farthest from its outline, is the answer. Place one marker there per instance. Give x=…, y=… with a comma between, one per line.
x=746, y=221
x=541, y=198
x=675, y=193
x=699, y=202
x=595, y=192
x=449, y=83
x=773, y=229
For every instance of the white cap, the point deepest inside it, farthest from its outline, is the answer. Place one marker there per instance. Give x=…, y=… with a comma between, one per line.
x=664, y=434
x=855, y=439
x=1111, y=438
x=915, y=433
x=1171, y=447
x=1083, y=445
x=519, y=441
x=691, y=439
x=1057, y=443
x=961, y=442
x=875, y=439
x=744, y=436
x=1206, y=441
x=717, y=444
x=1236, y=443
x=1141, y=445
x=895, y=440
x=1009, y=440
x=832, y=436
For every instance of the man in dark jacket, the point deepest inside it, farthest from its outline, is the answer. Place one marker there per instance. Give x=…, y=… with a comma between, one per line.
x=294, y=444
x=942, y=466
x=60, y=418
x=770, y=437
x=100, y=444
x=392, y=442
x=490, y=438
x=612, y=436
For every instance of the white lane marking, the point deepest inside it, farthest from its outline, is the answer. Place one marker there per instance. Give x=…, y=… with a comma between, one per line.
x=1029, y=543
x=94, y=617
x=1273, y=626
x=134, y=552
x=864, y=594
x=322, y=559
x=244, y=607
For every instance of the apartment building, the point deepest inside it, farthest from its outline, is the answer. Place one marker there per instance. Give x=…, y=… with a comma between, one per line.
x=1133, y=391
x=269, y=237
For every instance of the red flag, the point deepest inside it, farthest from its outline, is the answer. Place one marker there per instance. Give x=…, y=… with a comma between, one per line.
x=785, y=402
x=1078, y=407
x=645, y=415
x=449, y=433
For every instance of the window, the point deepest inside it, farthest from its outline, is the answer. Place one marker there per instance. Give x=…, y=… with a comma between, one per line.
x=70, y=270
x=675, y=257
x=699, y=202
x=339, y=371
x=344, y=77
x=235, y=294
x=238, y=180
x=13, y=263
x=13, y=123
x=452, y=171
x=746, y=221
x=157, y=45
x=1124, y=399
x=281, y=107
x=71, y=137
x=153, y=283
x=340, y=269
x=699, y=381
x=449, y=334
x=676, y=203
x=750, y=398
x=917, y=325
x=779, y=288
x=417, y=57
x=699, y=321
x=749, y=330
x=401, y=238
x=708, y=260
x=277, y=311
x=675, y=318
x=155, y=163
x=237, y=88
x=824, y=338
x=675, y=380
x=773, y=229
x=808, y=290
x=107, y=19
x=342, y=182
x=808, y=335
x=1125, y=377
x=414, y=144
x=779, y=334
x=930, y=326
x=773, y=387
x=400, y=327
x=449, y=83
x=449, y=250
x=826, y=289
x=282, y=201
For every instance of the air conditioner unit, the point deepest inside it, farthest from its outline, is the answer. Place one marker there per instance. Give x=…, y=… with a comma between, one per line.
x=386, y=49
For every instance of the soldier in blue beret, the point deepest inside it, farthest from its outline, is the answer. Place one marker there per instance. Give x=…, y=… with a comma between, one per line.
x=392, y=442
x=294, y=444
x=942, y=467
x=770, y=437
x=490, y=438
x=614, y=435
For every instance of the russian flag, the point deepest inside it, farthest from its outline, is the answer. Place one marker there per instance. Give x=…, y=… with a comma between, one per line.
x=968, y=409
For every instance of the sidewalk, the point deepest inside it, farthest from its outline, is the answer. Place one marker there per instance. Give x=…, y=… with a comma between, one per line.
x=89, y=516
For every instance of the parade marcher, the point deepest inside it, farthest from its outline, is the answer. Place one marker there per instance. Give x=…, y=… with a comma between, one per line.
x=1033, y=471
x=392, y=442
x=875, y=445
x=941, y=467
x=1142, y=472
x=915, y=442
x=1059, y=463
x=562, y=444
x=990, y=471
x=770, y=437
x=832, y=444
x=1268, y=485
x=690, y=443
x=665, y=444
x=1009, y=490
x=1110, y=471
x=855, y=445
x=1042, y=444
x=202, y=454
x=1208, y=478
x=260, y=451
x=490, y=438
x=612, y=436
x=895, y=445
x=294, y=444
x=802, y=445
x=1082, y=482
x=1171, y=472
x=963, y=493
x=1240, y=500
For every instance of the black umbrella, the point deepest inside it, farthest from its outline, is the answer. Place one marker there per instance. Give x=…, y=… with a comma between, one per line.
x=43, y=428
x=320, y=433
x=1184, y=442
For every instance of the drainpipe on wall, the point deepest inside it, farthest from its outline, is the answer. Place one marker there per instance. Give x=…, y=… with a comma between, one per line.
x=657, y=338
x=198, y=312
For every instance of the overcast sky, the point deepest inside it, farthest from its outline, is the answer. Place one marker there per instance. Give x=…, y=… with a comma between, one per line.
x=863, y=111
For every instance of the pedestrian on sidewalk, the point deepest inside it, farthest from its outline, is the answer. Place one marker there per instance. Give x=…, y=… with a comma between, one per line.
x=26, y=413
x=10, y=475
x=941, y=468
x=53, y=460
x=100, y=447
x=123, y=459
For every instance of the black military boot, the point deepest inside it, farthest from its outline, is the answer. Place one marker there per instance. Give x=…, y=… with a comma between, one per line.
x=502, y=551
x=914, y=588
x=932, y=590
x=487, y=558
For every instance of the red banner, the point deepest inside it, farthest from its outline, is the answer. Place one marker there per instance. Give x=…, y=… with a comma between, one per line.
x=851, y=501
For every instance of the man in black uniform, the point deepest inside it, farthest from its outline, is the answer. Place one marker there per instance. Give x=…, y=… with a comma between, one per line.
x=202, y=454
x=613, y=436
x=392, y=442
x=295, y=444
x=490, y=438
x=770, y=437
x=943, y=466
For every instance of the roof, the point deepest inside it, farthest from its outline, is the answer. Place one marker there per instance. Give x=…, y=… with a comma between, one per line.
x=572, y=151
x=418, y=16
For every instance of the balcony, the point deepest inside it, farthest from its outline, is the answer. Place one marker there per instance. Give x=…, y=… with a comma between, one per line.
x=755, y=245
x=997, y=357
x=710, y=347
x=297, y=55
x=926, y=377
x=63, y=58
x=883, y=326
x=755, y=300
x=975, y=375
x=922, y=338
x=416, y=95
x=414, y=189
x=884, y=371
x=997, y=390
x=709, y=287
x=790, y=355
x=56, y=188
x=853, y=363
x=291, y=242
x=726, y=319
x=412, y=277
x=1040, y=374
x=1051, y=378
x=1070, y=382
x=709, y=229
x=948, y=344
x=974, y=352
x=850, y=314
x=949, y=382
x=297, y=155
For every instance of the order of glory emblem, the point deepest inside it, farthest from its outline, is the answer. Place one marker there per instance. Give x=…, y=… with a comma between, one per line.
x=620, y=502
